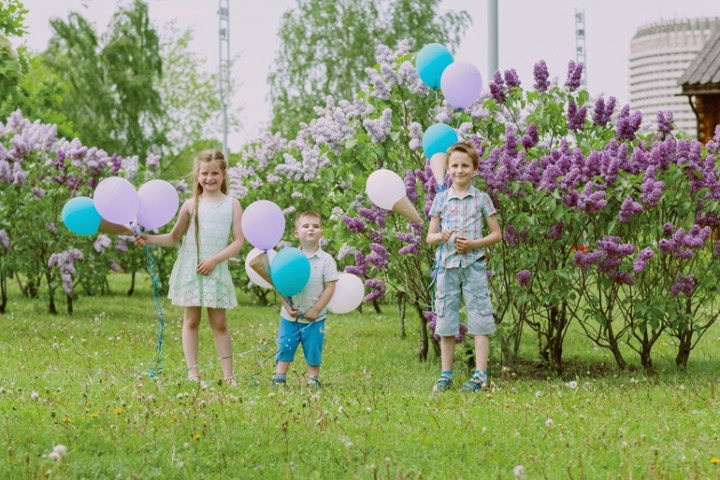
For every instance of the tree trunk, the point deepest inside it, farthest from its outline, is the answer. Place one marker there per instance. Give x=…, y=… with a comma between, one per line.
x=69, y=304
x=401, y=310
x=683, y=352
x=131, y=290
x=424, y=340
x=3, y=287
x=614, y=347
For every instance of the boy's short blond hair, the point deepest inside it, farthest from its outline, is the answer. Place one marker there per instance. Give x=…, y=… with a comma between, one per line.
x=310, y=214
x=467, y=148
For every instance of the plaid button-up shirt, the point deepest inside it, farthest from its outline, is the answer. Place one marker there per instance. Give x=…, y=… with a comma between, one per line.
x=465, y=214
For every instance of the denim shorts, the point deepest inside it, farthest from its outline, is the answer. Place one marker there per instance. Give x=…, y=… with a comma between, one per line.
x=470, y=283
x=292, y=334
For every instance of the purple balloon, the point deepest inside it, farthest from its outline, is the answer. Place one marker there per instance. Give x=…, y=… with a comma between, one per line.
x=158, y=204
x=116, y=200
x=461, y=84
x=263, y=224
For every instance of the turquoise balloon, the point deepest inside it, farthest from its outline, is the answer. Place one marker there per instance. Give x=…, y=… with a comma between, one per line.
x=80, y=216
x=290, y=271
x=438, y=138
x=431, y=61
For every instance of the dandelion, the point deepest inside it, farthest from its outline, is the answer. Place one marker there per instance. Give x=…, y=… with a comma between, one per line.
x=549, y=422
x=519, y=471
x=197, y=436
x=714, y=460
x=572, y=384
x=60, y=450
x=94, y=415
x=34, y=395
x=118, y=410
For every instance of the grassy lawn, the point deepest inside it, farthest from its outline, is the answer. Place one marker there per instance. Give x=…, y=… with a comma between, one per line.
x=82, y=381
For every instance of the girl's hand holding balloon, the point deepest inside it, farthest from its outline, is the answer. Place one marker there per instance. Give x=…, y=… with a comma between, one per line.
x=142, y=240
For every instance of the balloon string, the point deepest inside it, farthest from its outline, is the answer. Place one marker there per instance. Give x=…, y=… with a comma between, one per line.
x=151, y=266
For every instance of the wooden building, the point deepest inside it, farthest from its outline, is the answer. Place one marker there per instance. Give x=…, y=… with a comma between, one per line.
x=701, y=84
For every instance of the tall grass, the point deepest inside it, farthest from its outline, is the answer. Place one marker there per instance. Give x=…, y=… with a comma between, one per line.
x=83, y=381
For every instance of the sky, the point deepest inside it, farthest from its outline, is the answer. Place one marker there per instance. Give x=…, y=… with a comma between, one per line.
x=528, y=31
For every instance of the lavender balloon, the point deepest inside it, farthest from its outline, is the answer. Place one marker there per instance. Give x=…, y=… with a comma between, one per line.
x=116, y=200
x=461, y=84
x=158, y=204
x=263, y=224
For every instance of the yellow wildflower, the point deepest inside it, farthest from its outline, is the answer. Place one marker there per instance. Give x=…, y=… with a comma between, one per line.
x=197, y=436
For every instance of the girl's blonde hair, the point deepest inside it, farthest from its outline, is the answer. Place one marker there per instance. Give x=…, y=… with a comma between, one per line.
x=205, y=156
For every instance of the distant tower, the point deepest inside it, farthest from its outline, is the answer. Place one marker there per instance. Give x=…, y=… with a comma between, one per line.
x=580, y=52
x=659, y=54
x=224, y=73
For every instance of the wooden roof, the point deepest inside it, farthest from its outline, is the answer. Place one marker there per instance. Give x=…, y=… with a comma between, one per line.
x=704, y=70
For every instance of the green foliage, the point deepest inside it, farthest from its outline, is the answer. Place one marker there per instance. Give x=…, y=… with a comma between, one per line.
x=114, y=98
x=191, y=106
x=325, y=47
x=12, y=18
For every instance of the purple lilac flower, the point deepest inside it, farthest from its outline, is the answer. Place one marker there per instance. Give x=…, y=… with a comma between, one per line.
x=592, y=198
x=627, y=125
x=651, y=190
x=378, y=289
x=574, y=76
x=556, y=231
x=623, y=278
x=379, y=257
x=575, y=117
x=511, y=78
x=628, y=208
x=665, y=121
x=496, y=88
x=101, y=242
x=411, y=185
x=523, y=277
x=540, y=72
x=531, y=136
x=586, y=260
x=355, y=225
x=683, y=284
x=641, y=260
x=4, y=239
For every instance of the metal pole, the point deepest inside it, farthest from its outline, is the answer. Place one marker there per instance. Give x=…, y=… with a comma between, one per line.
x=492, y=36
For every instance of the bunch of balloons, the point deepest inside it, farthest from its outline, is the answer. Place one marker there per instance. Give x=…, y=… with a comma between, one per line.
x=287, y=270
x=116, y=201
x=460, y=83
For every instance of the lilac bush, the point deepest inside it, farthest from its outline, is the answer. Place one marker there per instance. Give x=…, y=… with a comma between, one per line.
x=39, y=173
x=607, y=222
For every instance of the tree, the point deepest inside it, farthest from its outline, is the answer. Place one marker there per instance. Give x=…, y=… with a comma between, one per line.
x=12, y=18
x=325, y=46
x=190, y=100
x=114, y=99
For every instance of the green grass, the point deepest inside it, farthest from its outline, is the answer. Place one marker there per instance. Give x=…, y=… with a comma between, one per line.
x=374, y=418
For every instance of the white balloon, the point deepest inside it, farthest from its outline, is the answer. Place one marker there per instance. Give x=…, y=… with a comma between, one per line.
x=385, y=188
x=255, y=277
x=349, y=294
